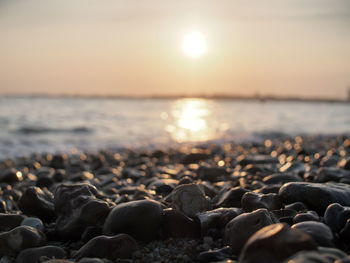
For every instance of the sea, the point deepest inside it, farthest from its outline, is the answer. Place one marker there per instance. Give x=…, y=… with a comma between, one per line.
x=69, y=124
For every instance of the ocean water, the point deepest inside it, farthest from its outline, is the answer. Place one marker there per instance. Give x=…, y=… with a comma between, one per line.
x=39, y=124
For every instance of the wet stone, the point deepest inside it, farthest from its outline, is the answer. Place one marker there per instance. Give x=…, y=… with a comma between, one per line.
x=33, y=222
x=216, y=219
x=37, y=202
x=242, y=227
x=275, y=243
x=10, y=221
x=215, y=255
x=229, y=197
x=212, y=174
x=141, y=219
x=32, y=255
x=189, y=199
x=115, y=247
x=177, y=225
x=306, y=216
x=20, y=238
x=78, y=207
x=316, y=196
x=336, y=216
x=320, y=232
x=11, y=176
x=252, y=201
x=281, y=179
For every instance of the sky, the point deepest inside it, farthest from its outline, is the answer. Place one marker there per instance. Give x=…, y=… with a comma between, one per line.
x=134, y=47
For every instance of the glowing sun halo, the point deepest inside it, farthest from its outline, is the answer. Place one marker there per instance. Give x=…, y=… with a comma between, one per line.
x=194, y=44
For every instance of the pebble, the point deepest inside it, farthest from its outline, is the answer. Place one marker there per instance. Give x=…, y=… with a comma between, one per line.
x=242, y=227
x=229, y=197
x=215, y=255
x=115, y=247
x=252, y=201
x=141, y=219
x=189, y=199
x=78, y=207
x=306, y=216
x=316, y=196
x=274, y=244
x=37, y=202
x=216, y=219
x=20, y=238
x=177, y=225
x=336, y=216
x=32, y=255
x=33, y=222
x=320, y=232
x=10, y=221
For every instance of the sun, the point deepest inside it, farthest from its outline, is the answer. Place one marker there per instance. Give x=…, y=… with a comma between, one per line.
x=194, y=44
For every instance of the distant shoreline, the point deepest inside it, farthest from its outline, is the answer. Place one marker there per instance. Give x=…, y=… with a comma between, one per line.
x=169, y=97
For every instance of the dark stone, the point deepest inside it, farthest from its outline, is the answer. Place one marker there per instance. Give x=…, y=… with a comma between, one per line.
x=20, y=238
x=140, y=219
x=322, y=255
x=32, y=255
x=297, y=206
x=285, y=215
x=116, y=247
x=281, y=179
x=177, y=225
x=252, y=201
x=242, y=227
x=316, y=196
x=90, y=232
x=163, y=189
x=9, y=221
x=60, y=175
x=215, y=255
x=37, y=202
x=256, y=159
x=212, y=174
x=33, y=222
x=59, y=161
x=307, y=216
x=293, y=167
x=344, y=234
x=329, y=160
x=269, y=189
x=320, y=232
x=195, y=158
x=328, y=174
x=336, y=216
x=44, y=182
x=275, y=243
x=11, y=176
x=216, y=219
x=189, y=199
x=78, y=207
x=229, y=197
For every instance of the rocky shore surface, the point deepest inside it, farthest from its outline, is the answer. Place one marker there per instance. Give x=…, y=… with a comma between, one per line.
x=285, y=199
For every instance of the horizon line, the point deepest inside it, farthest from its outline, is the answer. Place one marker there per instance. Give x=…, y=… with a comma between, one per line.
x=219, y=96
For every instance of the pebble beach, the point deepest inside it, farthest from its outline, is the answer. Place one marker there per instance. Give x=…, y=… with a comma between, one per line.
x=285, y=199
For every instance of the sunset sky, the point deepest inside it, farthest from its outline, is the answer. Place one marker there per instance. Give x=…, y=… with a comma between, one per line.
x=129, y=47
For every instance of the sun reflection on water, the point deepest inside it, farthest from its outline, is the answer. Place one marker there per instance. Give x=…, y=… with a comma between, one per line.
x=192, y=120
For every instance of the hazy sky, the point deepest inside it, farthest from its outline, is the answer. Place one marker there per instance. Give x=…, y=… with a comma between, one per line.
x=289, y=47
